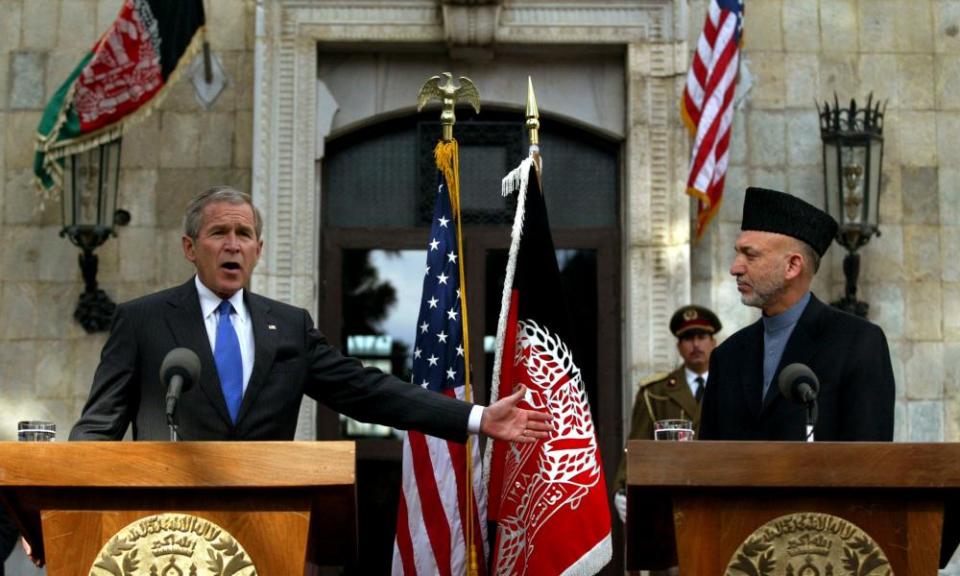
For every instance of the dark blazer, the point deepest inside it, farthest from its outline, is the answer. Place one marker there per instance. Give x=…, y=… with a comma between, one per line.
x=291, y=358
x=850, y=358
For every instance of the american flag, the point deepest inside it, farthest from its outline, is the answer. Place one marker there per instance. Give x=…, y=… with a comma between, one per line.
x=707, y=106
x=431, y=520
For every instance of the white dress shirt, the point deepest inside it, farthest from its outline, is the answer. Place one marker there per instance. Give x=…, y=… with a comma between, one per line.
x=692, y=379
x=240, y=318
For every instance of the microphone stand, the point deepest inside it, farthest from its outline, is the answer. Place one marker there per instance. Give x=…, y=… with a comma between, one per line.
x=174, y=429
x=811, y=418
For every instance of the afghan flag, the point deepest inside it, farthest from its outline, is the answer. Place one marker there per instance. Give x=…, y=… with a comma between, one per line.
x=132, y=64
x=548, y=499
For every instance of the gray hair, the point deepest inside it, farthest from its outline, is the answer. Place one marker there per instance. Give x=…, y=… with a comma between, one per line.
x=193, y=219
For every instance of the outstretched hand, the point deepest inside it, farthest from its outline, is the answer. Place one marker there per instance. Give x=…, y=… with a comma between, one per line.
x=503, y=420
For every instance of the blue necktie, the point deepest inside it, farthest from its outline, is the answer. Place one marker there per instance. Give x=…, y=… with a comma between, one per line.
x=228, y=360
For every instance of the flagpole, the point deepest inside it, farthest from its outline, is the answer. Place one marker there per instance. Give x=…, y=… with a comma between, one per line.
x=533, y=125
x=447, y=156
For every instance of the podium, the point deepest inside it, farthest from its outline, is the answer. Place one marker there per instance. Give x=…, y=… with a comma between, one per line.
x=289, y=505
x=694, y=504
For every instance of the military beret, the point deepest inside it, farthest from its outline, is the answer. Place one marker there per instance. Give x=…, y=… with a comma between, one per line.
x=694, y=319
x=771, y=211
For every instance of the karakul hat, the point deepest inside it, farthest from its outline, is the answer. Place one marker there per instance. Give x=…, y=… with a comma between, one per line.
x=771, y=211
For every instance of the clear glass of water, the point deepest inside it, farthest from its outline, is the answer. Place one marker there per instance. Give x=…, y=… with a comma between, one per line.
x=674, y=429
x=36, y=431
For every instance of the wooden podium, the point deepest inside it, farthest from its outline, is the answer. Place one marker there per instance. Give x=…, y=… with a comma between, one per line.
x=697, y=502
x=289, y=505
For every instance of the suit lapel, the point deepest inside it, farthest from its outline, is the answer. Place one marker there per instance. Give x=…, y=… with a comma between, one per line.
x=800, y=347
x=752, y=366
x=189, y=331
x=264, y=346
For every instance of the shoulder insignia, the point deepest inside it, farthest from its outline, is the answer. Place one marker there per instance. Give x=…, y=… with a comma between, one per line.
x=659, y=377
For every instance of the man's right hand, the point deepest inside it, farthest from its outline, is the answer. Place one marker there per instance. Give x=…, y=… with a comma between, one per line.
x=620, y=503
x=29, y=552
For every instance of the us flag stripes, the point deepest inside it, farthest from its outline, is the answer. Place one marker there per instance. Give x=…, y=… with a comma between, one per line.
x=437, y=515
x=707, y=106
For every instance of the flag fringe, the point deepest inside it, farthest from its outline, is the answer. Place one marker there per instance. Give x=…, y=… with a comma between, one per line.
x=517, y=181
x=593, y=561
x=54, y=150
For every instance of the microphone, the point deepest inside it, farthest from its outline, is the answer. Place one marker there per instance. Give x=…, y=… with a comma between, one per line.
x=179, y=370
x=798, y=383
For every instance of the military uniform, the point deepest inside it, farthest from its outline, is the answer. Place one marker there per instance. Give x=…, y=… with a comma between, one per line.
x=660, y=397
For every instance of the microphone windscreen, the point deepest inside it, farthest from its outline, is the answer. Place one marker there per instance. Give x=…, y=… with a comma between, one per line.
x=793, y=374
x=181, y=361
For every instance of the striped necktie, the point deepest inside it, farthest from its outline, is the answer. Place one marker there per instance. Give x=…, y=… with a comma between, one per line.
x=701, y=385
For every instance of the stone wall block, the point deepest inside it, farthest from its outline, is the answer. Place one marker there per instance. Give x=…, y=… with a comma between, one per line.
x=18, y=361
x=804, y=146
x=801, y=26
x=762, y=25
x=946, y=23
x=138, y=195
x=109, y=257
x=85, y=353
x=886, y=306
x=731, y=208
x=138, y=255
x=766, y=131
x=738, y=138
x=22, y=202
x=243, y=83
x=107, y=11
x=915, y=80
x=60, y=63
x=769, y=89
x=78, y=26
x=243, y=138
x=768, y=178
x=18, y=148
x=951, y=315
x=181, y=96
x=949, y=195
x=172, y=267
x=10, y=24
x=696, y=15
x=180, y=136
x=926, y=421
x=142, y=144
x=915, y=31
x=53, y=372
x=227, y=24
x=807, y=183
x=923, y=311
x=948, y=150
x=27, y=80
x=878, y=74
x=918, y=138
x=839, y=31
x=951, y=431
x=18, y=309
x=921, y=196
x=839, y=75
x=947, y=77
x=4, y=80
x=924, y=371
x=950, y=253
x=56, y=302
x=802, y=79
x=216, y=139
x=882, y=260
x=176, y=187
x=921, y=249
x=40, y=22
x=891, y=195
x=878, y=26
x=900, y=422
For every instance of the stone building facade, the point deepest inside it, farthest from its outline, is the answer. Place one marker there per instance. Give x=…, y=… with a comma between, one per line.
x=266, y=134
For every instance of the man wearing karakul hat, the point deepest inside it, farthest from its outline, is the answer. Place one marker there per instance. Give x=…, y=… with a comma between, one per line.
x=778, y=252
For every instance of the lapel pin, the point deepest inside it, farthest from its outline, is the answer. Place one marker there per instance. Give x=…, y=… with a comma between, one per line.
x=271, y=326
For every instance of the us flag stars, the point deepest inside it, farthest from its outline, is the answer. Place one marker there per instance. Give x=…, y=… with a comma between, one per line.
x=438, y=359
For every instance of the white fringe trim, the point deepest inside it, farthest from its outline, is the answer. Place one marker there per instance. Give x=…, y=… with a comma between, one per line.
x=593, y=561
x=517, y=180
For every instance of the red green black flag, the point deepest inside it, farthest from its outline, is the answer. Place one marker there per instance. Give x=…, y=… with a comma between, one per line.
x=121, y=80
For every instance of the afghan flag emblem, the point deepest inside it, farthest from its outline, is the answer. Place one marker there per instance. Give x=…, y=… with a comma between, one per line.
x=121, y=80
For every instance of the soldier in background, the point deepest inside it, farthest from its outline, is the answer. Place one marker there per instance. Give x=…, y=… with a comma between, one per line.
x=676, y=394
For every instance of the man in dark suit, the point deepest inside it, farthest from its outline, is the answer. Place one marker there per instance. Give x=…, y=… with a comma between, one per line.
x=258, y=356
x=777, y=254
x=9, y=535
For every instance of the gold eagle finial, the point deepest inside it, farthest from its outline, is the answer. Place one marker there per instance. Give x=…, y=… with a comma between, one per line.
x=442, y=88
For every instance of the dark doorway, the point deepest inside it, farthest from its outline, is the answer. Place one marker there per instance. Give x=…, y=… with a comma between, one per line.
x=376, y=206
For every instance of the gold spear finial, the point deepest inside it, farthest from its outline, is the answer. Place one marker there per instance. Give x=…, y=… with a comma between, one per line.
x=533, y=115
x=449, y=95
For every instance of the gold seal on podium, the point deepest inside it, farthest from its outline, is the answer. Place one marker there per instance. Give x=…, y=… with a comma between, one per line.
x=809, y=544
x=172, y=545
